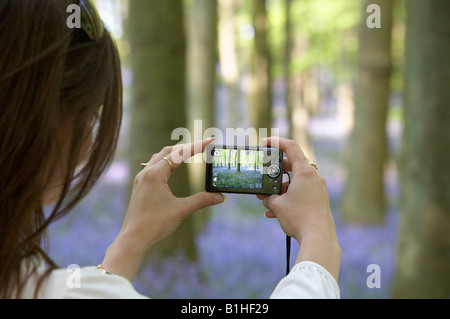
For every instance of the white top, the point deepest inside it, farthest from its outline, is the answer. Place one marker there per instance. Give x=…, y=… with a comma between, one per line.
x=306, y=280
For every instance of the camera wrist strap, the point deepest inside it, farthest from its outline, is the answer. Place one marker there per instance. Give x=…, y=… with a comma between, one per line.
x=288, y=238
x=288, y=254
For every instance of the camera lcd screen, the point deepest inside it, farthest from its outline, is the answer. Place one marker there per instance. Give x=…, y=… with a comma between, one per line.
x=240, y=169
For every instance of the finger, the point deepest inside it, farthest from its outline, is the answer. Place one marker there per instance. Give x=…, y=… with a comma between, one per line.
x=261, y=197
x=292, y=150
x=287, y=166
x=270, y=214
x=200, y=200
x=180, y=153
x=179, y=148
x=267, y=202
x=322, y=179
x=284, y=187
x=158, y=156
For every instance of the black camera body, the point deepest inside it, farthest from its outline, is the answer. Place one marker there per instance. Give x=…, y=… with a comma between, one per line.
x=244, y=169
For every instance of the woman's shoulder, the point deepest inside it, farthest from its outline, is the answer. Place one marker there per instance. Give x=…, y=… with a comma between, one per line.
x=76, y=282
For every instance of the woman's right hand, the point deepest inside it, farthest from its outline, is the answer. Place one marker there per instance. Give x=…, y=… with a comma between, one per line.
x=154, y=212
x=303, y=211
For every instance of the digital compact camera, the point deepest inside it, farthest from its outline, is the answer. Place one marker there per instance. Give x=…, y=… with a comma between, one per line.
x=244, y=169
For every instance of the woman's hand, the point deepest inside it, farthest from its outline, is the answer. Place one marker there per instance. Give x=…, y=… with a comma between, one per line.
x=303, y=211
x=154, y=212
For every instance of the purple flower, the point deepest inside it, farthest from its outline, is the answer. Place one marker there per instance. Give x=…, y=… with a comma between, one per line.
x=241, y=253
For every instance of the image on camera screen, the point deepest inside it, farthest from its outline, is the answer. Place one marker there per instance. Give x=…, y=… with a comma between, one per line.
x=240, y=169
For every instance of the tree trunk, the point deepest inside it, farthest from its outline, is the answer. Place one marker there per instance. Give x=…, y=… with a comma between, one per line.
x=300, y=111
x=288, y=45
x=424, y=239
x=260, y=105
x=201, y=72
x=156, y=34
x=202, y=58
x=238, y=161
x=298, y=101
x=363, y=199
x=229, y=60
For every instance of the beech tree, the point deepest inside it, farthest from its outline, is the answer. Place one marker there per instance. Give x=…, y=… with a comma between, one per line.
x=202, y=18
x=423, y=254
x=260, y=96
x=158, y=96
x=363, y=200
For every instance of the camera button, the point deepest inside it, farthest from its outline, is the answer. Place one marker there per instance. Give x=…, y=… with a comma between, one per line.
x=273, y=171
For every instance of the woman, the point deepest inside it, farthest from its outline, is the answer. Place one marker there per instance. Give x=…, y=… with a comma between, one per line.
x=60, y=90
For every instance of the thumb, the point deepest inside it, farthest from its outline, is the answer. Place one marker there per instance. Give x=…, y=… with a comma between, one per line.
x=201, y=200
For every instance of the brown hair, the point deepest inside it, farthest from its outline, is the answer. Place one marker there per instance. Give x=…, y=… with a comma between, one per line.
x=49, y=84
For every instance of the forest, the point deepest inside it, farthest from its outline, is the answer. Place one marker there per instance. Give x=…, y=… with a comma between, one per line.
x=361, y=85
x=239, y=158
x=240, y=169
